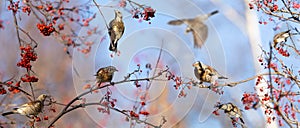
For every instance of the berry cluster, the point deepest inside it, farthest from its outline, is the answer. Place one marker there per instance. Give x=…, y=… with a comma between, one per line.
x=46, y=30
x=178, y=82
x=108, y=102
x=259, y=78
x=139, y=11
x=122, y=3
x=144, y=113
x=26, y=9
x=28, y=78
x=250, y=100
x=264, y=3
x=148, y=13
x=283, y=52
x=296, y=5
x=49, y=7
x=11, y=88
x=28, y=55
x=133, y=114
x=275, y=7
x=145, y=14
x=2, y=90
x=14, y=90
x=14, y=6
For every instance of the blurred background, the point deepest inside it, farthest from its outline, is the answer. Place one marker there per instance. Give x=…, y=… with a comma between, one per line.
x=232, y=48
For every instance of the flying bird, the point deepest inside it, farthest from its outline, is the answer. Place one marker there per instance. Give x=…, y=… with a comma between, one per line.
x=31, y=108
x=281, y=37
x=206, y=73
x=232, y=111
x=115, y=31
x=196, y=26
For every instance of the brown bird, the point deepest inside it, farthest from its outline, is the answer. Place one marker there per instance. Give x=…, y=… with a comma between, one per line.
x=115, y=30
x=231, y=110
x=206, y=73
x=31, y=108
x=196, y=26
x=281, y=37
x=105, y=74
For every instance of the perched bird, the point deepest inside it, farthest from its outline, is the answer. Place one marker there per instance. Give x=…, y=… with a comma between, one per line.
x=196, y=26
x=281, y=37
x=231, y=110
x=105, y=74
x=206, y=73
x=31, y=108
x=115, y=30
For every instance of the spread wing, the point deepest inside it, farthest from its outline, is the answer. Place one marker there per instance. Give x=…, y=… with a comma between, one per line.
x=200, y=33
x=176, y=22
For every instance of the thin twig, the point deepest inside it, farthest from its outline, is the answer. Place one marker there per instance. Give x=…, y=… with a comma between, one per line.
x=16, y=25
x=65, y=110
x=18, y=88
x=101, y=13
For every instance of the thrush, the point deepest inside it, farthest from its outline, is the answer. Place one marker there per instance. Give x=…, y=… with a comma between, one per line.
x=231, y=110
x=115, y=31
x=105, y=74
x=196, y=26
x=206, y=73
x=31, y=108
x=281, y=37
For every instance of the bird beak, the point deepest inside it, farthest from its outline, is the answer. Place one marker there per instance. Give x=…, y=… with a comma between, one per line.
x=116, y=11
x=194, y=64
x=117, y=70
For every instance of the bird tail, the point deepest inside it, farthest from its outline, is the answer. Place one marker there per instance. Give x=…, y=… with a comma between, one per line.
x=222, y=77
x=242, y=120
x=8, y=113
x=113, y=46
x=213, y=13
x=175, y=22
x=287, y=31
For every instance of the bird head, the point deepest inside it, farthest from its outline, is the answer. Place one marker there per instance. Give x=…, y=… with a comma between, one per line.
x=118, y=14
x=227, y=106
x=197, y=64
x=112, y=69
x=42, y=97
x=204, y=17
x=286, y=34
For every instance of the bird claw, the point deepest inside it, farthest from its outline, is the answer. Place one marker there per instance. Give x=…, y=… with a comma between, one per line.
x=112, y=83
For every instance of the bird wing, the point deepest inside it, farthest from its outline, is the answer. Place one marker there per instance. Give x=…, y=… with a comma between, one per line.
x=176, y=22
x=99, y=74
x=280, y=37
x=31, y=108
x=200, y=33
x=99, y=71
x=198, y=73
x=215, y=72
x=201, y=70
x=103, y=75
x=110, y=31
